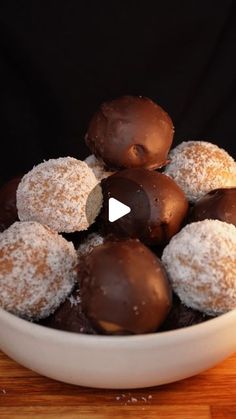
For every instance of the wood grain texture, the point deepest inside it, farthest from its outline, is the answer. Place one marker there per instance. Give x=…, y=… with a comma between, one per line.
x=25, y=395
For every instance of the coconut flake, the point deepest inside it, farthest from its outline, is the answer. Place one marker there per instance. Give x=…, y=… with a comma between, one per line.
x=92, y=240
x=98, y=167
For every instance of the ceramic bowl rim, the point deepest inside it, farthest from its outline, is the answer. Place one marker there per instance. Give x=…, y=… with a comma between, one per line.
x=164, y=337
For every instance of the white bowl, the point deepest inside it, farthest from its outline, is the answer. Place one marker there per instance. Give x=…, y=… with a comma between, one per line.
x=118, y=361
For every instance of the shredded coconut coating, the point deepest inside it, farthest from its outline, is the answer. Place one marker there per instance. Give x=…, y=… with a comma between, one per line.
x=201, y=264
x=199, y=167
x=98, y=167
x=62, y=193
x=93, y=240
x=37, y=270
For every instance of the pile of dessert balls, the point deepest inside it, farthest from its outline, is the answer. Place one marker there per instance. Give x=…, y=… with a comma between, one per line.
x=168, y=263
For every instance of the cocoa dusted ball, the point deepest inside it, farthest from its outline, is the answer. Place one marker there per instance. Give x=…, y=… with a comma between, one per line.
x=8, y=210
x=130, y=132
x=124, y=288
x=219, y=204
x=158, y=206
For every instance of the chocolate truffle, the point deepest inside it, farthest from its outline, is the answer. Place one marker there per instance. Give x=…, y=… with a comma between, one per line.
x=219, y=204
x=61, y=193
x=130, y=132
x=201, y=264
x=199, y=167
x=124, y=288
x=8, y=210
x=158, y=205
x=182, y=316
x=69, y=316
x=38, y=269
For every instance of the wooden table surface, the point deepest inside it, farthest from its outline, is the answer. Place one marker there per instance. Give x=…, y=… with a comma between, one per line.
x=25, y=394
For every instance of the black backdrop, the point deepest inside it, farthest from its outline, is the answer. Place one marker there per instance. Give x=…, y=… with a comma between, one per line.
x=61, y=59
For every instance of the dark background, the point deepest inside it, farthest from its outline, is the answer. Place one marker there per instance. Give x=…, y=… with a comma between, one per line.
x=60, y=59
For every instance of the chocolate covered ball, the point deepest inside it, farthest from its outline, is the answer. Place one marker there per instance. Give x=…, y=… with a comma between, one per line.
x=130, y=132
x=158, y=206
x=124, y=288
x=69, y=316
x=8, y=210
x=218, y=204
x=182, y=316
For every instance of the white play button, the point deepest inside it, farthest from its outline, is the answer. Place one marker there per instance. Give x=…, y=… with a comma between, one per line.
x=116, y=209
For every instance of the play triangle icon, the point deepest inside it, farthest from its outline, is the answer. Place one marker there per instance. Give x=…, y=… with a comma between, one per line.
x=116, y=209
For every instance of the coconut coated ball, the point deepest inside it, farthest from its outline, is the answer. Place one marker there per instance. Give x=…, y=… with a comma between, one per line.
x=201, y=264
x=199, y=167
x=62, y=193
x=38, y=269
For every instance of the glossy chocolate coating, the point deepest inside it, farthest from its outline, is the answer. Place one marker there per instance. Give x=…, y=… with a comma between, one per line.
x=219, y=204
x=182, y=316
x=8, y=210
x=158, y=205
x=130, y=132
x=69, y=316
x=124, y=288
